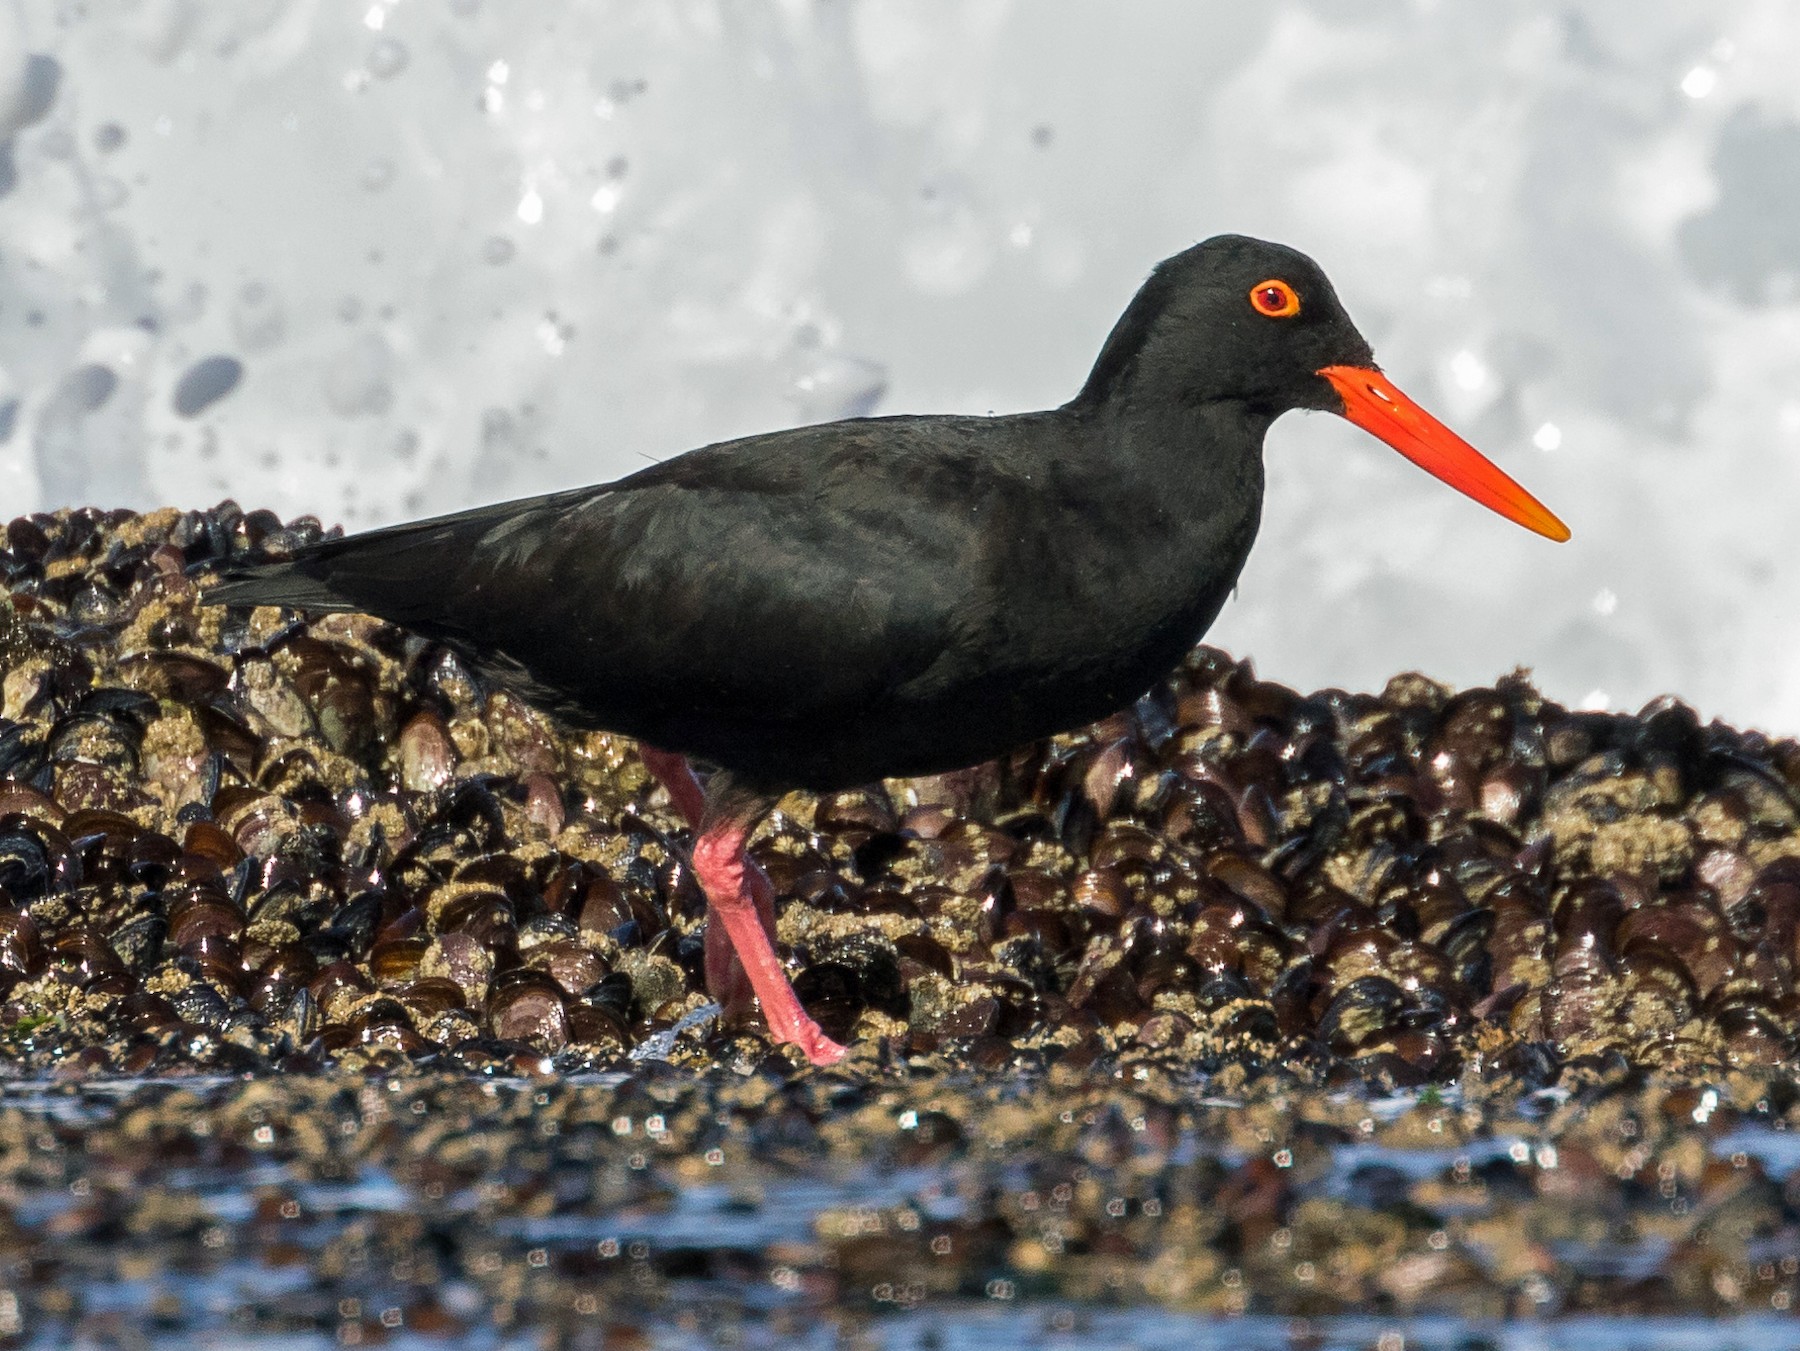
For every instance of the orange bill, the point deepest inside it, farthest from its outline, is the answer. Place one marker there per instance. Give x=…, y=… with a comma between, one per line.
x=1372, y=403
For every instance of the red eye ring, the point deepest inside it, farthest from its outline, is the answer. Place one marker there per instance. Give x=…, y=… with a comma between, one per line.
x=1274, y=299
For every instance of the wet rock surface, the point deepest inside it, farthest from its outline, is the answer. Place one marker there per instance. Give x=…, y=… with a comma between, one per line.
x=461, y=948
x=876, y=1206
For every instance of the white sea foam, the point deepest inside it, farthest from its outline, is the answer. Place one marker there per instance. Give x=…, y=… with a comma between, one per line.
x=473, y=250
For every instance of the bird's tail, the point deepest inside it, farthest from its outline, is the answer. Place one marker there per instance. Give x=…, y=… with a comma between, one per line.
x=288, y=583
x=403, y=573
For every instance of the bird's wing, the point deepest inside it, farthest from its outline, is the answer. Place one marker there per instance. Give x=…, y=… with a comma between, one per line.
x=783, y=578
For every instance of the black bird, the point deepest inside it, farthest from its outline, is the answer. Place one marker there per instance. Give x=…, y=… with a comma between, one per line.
x=835, y=604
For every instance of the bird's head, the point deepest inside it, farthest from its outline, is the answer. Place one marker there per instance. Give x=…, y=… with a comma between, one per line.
x=1244, y=320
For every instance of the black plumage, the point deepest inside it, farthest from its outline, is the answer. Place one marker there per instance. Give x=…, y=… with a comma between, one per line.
x=833, y=604
x=891, y=596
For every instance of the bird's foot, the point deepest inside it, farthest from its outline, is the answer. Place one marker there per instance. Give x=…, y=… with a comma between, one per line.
x=818, y=1048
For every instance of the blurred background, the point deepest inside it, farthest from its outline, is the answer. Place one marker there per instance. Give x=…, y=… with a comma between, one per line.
x=375, y=258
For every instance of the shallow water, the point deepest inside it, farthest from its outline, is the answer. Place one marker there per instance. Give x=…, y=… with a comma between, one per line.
x=443, y=1211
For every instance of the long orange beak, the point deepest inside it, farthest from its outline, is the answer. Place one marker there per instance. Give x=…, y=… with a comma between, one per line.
x=1372, y=403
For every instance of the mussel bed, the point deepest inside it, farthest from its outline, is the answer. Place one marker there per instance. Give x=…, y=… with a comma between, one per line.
x=322, y=854
x=240, y=840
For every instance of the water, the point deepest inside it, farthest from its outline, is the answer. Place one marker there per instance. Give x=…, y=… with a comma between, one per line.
x=671, y=1212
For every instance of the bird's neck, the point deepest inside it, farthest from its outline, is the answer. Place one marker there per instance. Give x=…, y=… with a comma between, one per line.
x=1200, y=456
x=1149, y=511
x=1191, y=473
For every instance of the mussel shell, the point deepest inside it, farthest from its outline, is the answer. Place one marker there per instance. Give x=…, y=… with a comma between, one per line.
x=528, y=1006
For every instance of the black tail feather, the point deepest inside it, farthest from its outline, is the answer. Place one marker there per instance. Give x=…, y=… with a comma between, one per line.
x=284, y=583
x=398, y=572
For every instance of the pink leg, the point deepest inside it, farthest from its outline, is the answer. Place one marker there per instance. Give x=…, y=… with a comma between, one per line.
x=724, y=872
x=673, y=774
x=726, y=978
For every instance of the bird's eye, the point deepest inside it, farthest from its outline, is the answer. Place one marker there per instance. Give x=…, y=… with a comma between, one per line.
x=1274, y=298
